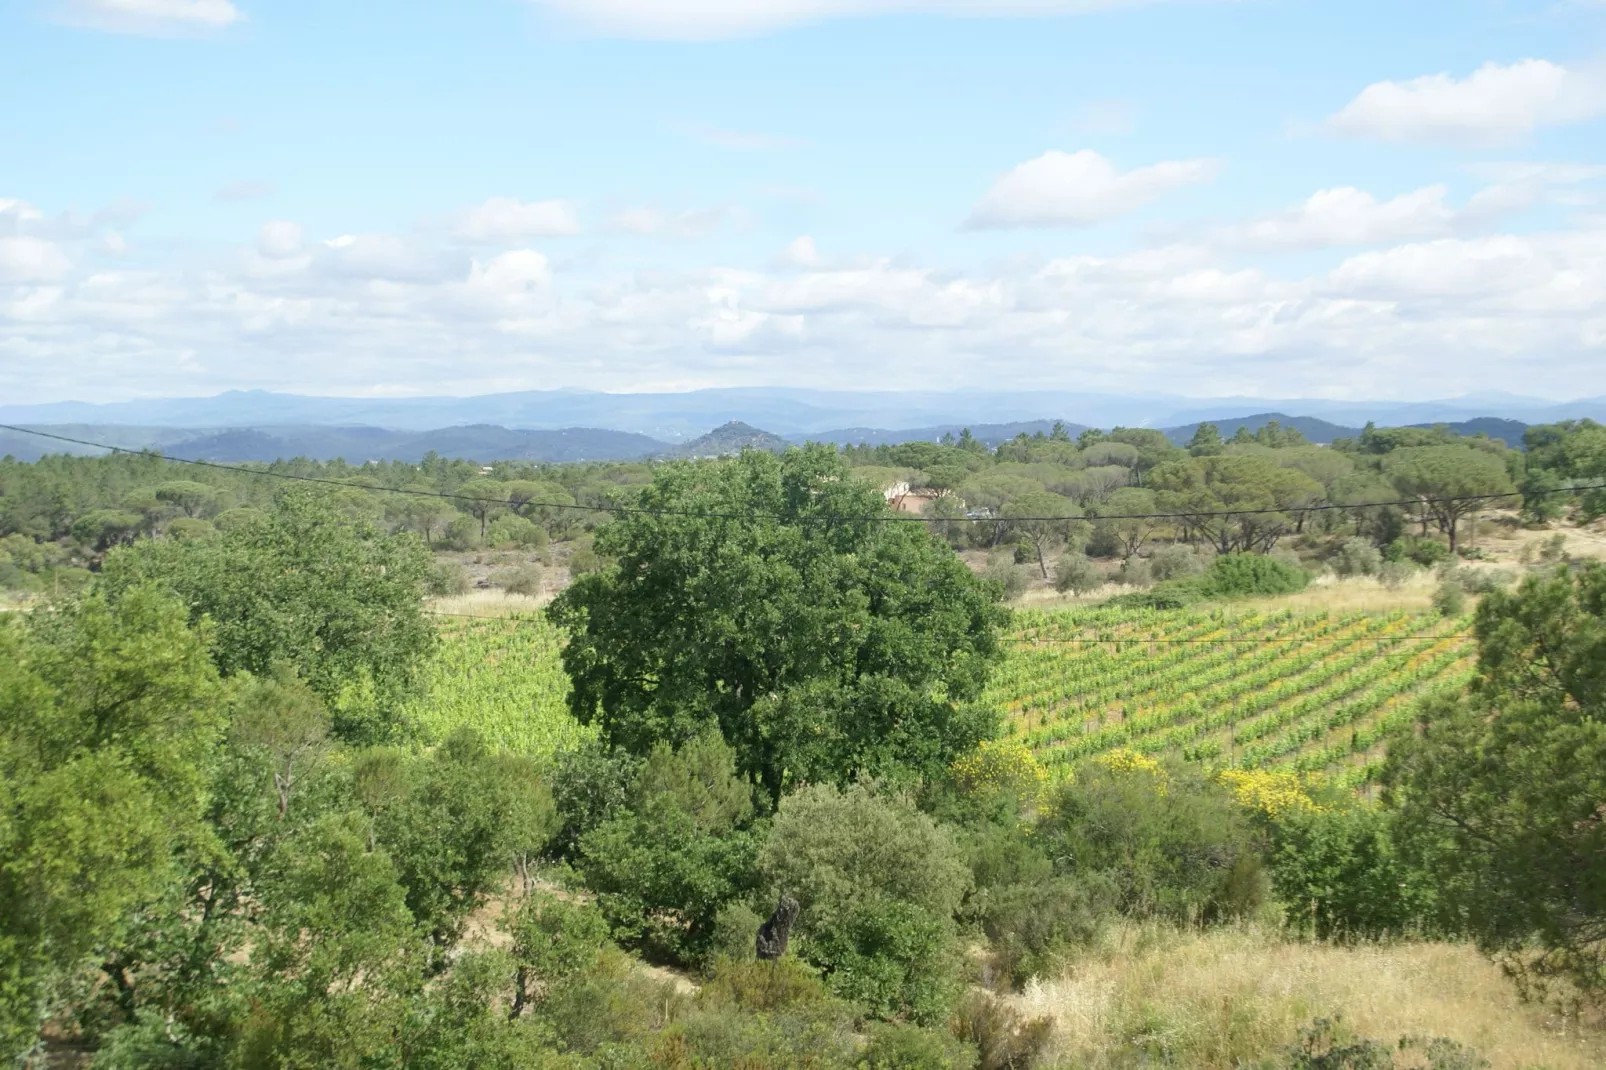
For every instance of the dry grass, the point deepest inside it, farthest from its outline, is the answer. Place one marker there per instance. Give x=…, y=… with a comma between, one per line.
x=492, y=602
x=1229, y=998
x=1356, y=594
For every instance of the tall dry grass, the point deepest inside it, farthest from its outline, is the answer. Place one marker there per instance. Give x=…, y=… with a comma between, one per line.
x=1235, y=997
x=493, y=602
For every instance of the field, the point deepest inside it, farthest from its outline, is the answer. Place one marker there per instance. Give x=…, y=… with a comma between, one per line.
x=501, y=675
x=1278, y=688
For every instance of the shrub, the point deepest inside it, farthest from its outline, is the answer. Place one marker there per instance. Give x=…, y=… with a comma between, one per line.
x=1449, y=598
x=525, y=580
x=512, y=530
x=1357, y=557
x=1005, y=1040
x=1030, y=925
x=1104, y=542
x=1423, y=551
x=1136, y=572
x=1077, y=574
x=897, y=1046
x=665, y=867
x=1175, y=562
x=1010, y=577
x=1172, y=843
x=878, y=883
x=449, y=578
x=463, y=533
x=1233, y=575
x=553, y=942
x=1395, y=574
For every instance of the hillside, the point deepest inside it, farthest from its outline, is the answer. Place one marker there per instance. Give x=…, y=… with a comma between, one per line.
x=733, y=437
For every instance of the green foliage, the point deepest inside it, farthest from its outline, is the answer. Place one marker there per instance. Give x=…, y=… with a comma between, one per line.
x=500, y=677
x=108, y=716
x=899, y=1046
x=1321, y=1047
x=878, y=883
x=1425, y=552
x=819, y=644
x=1440, y=474
x=525, y=580
x=1336, y=870
x=310, y=588
x=1499, y=790
x=444, y=820
x=1450, y=598
x=554, y=941
x=1236, y=575
x=1077, y=574
x=1357, y=557
x=666, y=863
x=1171, y=842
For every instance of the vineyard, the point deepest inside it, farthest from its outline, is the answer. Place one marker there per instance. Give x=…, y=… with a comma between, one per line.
x=1286, y=690
x=501, y=675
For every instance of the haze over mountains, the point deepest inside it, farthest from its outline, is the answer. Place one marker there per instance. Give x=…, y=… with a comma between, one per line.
x=566, y=425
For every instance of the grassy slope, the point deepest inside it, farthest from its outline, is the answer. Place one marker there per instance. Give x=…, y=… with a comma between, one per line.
x=1226, y=998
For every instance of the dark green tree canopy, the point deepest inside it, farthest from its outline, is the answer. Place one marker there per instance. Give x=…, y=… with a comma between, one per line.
x=1501, y=791
x=821, y=643
x=307, y=587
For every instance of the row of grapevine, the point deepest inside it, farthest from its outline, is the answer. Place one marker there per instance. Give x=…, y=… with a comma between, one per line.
x=1303, y=691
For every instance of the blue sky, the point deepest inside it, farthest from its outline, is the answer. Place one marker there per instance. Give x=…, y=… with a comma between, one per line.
x=1264, y=197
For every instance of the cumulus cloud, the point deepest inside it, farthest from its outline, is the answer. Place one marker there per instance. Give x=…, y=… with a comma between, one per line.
x=508, y=219
x=1348, y=216
x=24, y=259
x=656, y=223
x=1079, y=188
x=716, y=19
x=151, y=16
x=1435, y=315
x=1495, y=103
x=279, y=239
x=801, y=252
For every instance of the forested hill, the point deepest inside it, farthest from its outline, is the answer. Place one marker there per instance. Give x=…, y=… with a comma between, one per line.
x=1323, y=432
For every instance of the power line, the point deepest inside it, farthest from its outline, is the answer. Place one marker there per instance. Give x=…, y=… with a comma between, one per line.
x=890, y=518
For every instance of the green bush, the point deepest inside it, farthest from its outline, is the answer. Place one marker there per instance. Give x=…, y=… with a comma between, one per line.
x=1235, y=575
x=1077, y=574
x=512, y=530
x=1031, y=926
x=525, y=580
x=898, y=1046
x=1423, y=551
x=1175, y=562
x=1171, y=842
x=878, y=883
x=449, y=578
x=664, y=868
x=1357, y=557
x=1450, y=598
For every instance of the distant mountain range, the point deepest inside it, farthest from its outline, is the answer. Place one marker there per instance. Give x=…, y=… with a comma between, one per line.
x=787, y=412
x=1322, y=432
x=488, y=442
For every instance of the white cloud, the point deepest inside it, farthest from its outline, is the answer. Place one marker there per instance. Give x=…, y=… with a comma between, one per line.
x=152, y=16
x=1347, y=216
x=1429, y=317
x=801, y=252
x=716, y=19
x=508, y=219
x=279, y=239
x=25, y=259
x=1493, y=104
x=1079, y=188
x=688, y=224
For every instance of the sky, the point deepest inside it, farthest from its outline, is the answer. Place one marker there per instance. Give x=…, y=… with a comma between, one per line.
x=1275, y=198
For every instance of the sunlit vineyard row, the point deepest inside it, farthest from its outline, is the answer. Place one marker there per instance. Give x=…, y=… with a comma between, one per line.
x=1286, y=690
x=503, y=677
